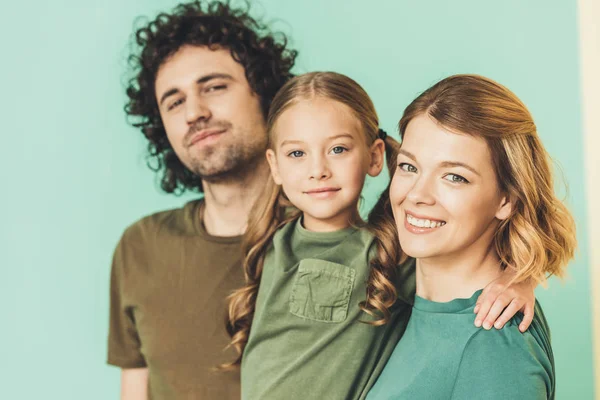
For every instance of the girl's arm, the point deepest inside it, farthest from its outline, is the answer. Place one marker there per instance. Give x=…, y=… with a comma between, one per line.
x=499, y=302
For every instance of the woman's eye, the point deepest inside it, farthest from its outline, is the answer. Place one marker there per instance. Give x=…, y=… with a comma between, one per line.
x=338, y=150
x=455, y=178
x=407, y=167
x=296, y=153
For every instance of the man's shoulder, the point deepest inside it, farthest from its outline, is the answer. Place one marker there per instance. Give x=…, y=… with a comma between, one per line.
x=175, y=221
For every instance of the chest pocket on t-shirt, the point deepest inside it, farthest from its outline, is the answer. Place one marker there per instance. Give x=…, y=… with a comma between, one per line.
x=321, y=291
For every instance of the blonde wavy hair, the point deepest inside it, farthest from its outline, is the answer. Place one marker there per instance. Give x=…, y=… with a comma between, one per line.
x=538, y=239
x=273, y=209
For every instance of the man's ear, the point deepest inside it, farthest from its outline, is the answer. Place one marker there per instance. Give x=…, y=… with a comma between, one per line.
x=505, y=208
x=377, y=157
x=272, y=160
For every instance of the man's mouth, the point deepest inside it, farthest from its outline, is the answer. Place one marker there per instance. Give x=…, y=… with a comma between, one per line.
x=205, y=133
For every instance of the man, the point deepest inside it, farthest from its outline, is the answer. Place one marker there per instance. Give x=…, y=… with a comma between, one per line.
x=205, y=77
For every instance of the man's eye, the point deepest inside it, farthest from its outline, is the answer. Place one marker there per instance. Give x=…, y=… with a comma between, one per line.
x=455, y=178
x=338, y=150
x=296, y=154
x=175, y=104
x=216, y=88
x=407, y=167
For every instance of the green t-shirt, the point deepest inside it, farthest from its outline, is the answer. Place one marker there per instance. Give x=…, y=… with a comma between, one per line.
x=169, y=284
x=307, y=341
x=442, y=355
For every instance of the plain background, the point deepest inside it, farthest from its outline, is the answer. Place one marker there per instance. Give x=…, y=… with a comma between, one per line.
x=74, y=174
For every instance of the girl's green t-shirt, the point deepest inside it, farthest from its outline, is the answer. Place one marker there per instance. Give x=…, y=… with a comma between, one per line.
x=308, y=338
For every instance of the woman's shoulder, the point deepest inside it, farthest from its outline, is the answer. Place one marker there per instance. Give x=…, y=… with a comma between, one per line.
x=509, y=361
x=511, y=339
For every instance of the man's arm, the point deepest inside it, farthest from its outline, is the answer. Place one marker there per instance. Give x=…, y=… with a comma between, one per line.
x=134, y=384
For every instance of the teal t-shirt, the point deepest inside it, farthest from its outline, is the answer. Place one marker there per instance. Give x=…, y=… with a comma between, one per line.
x=442, y=355
x=306, y=340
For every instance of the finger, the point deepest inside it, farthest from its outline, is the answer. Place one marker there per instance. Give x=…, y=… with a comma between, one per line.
x=508, y=313
x=527, y=317
x=483, y=304
x=495, y=311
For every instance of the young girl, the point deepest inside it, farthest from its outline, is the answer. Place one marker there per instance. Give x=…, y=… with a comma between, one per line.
x=321, y=269
x=472, y=196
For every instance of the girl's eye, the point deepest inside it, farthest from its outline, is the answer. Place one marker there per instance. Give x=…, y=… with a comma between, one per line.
x=338, y=150
x=407, y=167
x=296, y=154
x=175, y=104
x=455, y=178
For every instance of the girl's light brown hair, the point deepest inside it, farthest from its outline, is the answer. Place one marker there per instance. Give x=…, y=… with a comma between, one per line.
x=538, y=239
x=273, y=209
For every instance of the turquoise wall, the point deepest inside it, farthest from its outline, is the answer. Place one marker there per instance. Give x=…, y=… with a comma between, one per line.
x=74, y=176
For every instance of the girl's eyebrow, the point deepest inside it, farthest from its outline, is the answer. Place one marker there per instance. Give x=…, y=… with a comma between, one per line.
x=291, y=142
x=296, y=142
x=342, y=135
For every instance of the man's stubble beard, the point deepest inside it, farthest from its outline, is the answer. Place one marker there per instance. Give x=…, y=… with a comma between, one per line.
x=228, y=162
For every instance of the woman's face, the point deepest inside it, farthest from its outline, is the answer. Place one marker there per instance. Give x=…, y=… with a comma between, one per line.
x=444, y=194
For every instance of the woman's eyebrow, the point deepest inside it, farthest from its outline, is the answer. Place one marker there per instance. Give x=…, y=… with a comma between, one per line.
x=451, y=164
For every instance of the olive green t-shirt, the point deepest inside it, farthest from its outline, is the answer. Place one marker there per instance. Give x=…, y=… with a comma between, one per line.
x=306, y=340
x=169, y=284
x=442, y=355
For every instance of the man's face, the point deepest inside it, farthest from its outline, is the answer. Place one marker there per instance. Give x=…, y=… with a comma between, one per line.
x=212, y=117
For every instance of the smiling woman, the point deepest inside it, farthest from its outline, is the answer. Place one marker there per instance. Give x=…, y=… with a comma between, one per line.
x=473, y=196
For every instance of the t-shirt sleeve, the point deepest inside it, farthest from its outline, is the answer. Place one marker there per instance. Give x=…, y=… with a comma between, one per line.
x=503, y=364
x=123, y=340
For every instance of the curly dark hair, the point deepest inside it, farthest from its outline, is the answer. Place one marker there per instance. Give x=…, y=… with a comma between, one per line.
x=263, y=54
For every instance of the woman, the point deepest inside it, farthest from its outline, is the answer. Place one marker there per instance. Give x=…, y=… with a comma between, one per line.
x=473, y=196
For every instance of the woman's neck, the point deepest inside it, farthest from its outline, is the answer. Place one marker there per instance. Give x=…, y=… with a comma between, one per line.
x=454, y=276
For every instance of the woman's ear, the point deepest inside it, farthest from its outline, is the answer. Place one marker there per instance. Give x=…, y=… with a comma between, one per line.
x=505, y=208
x=377, y=157
x=272, y=160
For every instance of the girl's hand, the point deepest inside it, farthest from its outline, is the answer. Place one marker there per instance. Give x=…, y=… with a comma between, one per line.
x=499, y=298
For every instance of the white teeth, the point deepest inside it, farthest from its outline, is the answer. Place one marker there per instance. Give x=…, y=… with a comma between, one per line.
x=424, y=223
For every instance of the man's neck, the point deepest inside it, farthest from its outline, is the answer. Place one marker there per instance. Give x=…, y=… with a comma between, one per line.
x=228, y=204
x=457, y=276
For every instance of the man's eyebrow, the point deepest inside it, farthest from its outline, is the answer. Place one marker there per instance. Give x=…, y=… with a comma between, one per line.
x=215, y=75
x=201, y=80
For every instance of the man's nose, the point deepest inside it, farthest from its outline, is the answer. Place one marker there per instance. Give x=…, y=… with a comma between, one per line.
x=196, y=109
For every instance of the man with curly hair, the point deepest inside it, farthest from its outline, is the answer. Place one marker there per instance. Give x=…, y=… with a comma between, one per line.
x=205, y=76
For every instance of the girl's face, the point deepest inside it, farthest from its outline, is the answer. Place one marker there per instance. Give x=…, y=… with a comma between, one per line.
x=320, y=157
x=445, y=196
